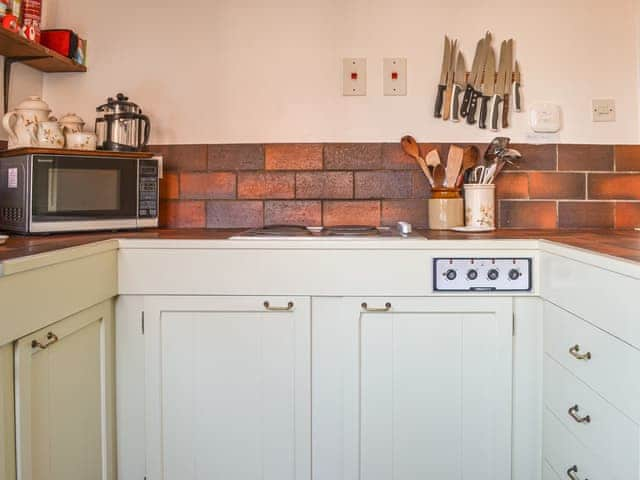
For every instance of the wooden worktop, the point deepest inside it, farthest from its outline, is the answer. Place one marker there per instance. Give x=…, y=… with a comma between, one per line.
x=623, y=244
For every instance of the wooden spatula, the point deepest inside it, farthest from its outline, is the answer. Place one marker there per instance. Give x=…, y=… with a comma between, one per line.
x=439, y=175
x=433, y=158
x=469, y=160
x=411, y=148
x=454, y=164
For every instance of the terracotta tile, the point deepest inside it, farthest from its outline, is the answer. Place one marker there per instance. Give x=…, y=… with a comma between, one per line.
x=182, y=214
x=293, y=156
x=266, y=185
x=586, y=214
x=207, y=186
x=236, y=157
x=512, y=185
x=585, y=157
x=351, y=213
x=421, y=186
x=188, y=158
x=627, y=158
x=4, y=145
x=394, y=158
x=627, y=215
x=159, y=150
x=614, y=186
x=525, y=214
x=234, y=214
x=393, y=184
x=324, y=185
x=169, y=186
x=534, y=157
x=297, y=212
x=556, y=185
x=413, y=211
x=353, y=156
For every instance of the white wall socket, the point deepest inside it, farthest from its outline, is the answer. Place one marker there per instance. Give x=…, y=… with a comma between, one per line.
x=604, y=110
x=395, y=76
x=354, y=76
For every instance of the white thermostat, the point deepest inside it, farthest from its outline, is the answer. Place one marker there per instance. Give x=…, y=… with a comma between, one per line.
x=545, y=118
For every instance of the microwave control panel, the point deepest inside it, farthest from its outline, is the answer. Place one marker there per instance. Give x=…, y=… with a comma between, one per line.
x=482, y=274
x=148, y=196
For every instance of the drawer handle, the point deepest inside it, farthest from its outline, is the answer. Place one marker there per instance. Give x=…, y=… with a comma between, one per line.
x=580, y=356
x=52, y=337
x=367, y=308
x=268, y=306
x=571, y=473
x=573, y=412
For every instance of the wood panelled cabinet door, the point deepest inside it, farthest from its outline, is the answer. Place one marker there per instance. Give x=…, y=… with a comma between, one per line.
x=412, y=388
x=228, y=388
x=65, y=399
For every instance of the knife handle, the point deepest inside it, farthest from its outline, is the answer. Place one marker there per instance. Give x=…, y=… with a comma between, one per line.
x=455, y=103
x=466, y=100
x=505, y=111
x=439, y=98
x=516, y=95
x=482, y=121
x=495, y=112
x=473, y=105
x=447, y=102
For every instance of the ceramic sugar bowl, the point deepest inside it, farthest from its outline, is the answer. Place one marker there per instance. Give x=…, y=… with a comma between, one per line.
x=21, y=123
x=71, y=123
x=49, y=134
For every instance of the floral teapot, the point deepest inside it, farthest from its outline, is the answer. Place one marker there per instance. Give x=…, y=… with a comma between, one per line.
x=22, y=123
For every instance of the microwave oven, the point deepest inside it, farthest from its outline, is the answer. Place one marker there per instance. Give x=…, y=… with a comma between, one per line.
x=73, y=192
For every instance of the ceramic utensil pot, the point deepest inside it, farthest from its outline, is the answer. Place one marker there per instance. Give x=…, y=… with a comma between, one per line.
x=445, y=209
x=49, y=134
x=81, y=141
x=21, y=123
x=480, y=205
x=71, y=123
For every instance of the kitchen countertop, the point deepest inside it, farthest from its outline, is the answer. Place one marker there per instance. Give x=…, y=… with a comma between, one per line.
x=623, y=244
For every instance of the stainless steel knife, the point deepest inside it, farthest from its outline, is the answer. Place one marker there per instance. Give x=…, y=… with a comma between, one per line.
x=508, y=80
x=442, y=85
x=488, y=87
x=458, y=86
x=516, y=88
x=476, y=80
x=494, y=111
x=474, y=68
x=450, y=72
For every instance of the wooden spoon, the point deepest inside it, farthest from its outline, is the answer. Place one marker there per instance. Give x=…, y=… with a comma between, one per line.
x=439, y=175
x=469, y=160
x=433, y=158
x=411, y=148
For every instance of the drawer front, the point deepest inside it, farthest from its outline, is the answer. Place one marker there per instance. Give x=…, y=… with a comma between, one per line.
x=600, y=426
x=612, y=367
x=563, y=452
x=548, y=473
x=601, y=297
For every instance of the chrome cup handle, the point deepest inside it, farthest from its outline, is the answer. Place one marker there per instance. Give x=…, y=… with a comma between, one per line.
x=271, y=308
x=52, y=337
x=571, y=473
x=573, y=413
x=575, y=352
x=367, y=308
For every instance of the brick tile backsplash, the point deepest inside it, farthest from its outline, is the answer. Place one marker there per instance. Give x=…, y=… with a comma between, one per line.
x=250, y=185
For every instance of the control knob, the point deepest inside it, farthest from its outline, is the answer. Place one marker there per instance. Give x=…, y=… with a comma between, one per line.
x=514, y=274
x=493, y=274
x=472, y=274
x=451, y=274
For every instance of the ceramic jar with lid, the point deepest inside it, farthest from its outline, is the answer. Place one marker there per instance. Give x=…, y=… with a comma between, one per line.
x=21, y=123
x=71, y=123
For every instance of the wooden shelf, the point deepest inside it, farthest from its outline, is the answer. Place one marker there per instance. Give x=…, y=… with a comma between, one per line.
x=18, y=152
x=13, y=45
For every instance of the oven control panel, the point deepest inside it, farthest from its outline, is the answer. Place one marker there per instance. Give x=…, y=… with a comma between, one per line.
x=482, y=274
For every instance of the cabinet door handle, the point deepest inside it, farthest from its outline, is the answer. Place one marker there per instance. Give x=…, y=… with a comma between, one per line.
x=574, y=351
x=367, y=308
x=573, y=412
x=52, y=337
x=571, y=473
x=268, y=306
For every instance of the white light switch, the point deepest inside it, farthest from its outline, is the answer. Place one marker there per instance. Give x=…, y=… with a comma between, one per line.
x=354, y=76
x=395, y=76
x=604, y=110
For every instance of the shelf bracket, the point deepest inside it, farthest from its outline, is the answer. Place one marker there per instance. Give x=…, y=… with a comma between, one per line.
x=8, y=63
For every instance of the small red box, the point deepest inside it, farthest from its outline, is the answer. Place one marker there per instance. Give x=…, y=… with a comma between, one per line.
x=65, y=42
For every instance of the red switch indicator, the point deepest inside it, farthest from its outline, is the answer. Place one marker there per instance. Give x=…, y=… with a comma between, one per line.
x=394, y=75
x=354, y=75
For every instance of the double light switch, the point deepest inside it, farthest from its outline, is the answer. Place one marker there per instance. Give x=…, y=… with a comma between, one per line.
x=354, y=76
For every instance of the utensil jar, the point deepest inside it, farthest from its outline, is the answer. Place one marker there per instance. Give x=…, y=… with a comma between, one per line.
x=480, y=205
x=445, y=209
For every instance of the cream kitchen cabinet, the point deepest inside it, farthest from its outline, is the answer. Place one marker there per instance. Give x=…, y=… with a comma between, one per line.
x=407, y=388
x=65, y=399
x=228, y=388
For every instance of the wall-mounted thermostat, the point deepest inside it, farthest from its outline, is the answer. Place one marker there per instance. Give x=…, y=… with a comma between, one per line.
x=545, y=118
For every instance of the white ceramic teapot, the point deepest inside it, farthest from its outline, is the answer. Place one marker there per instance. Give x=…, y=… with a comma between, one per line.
x=21, y=123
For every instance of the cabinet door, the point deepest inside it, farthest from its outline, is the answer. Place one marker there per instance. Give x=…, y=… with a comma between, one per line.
x=228, y=389
x=64, y=399
x=407, y=388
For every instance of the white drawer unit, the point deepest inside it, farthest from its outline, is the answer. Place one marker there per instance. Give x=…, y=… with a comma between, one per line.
x=596, y=423
x=482, y=274
x=606, y=364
